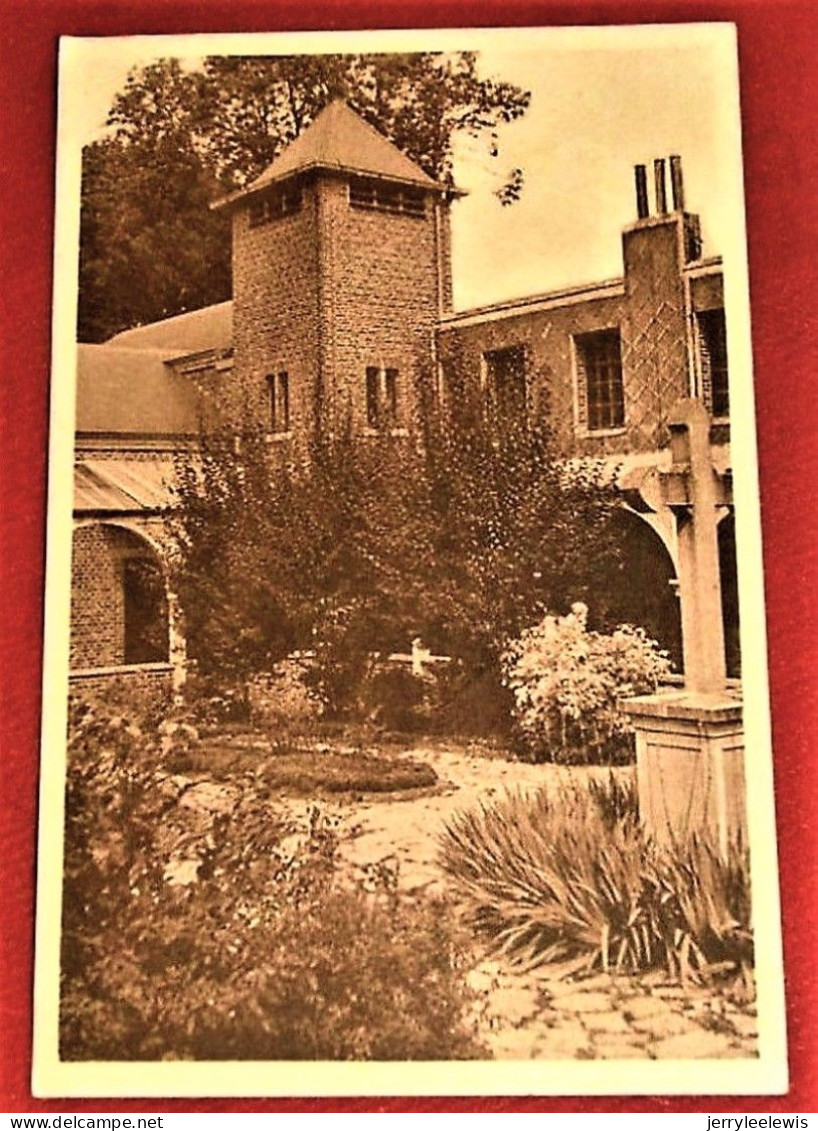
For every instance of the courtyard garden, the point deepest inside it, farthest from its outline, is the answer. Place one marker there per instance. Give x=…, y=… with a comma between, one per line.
x=345, y=892
x=393, y=815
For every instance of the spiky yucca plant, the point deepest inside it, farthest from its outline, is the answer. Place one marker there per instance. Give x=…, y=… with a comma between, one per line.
x=547, y=877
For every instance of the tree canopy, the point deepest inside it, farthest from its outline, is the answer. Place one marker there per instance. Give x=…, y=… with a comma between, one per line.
x=149, y=245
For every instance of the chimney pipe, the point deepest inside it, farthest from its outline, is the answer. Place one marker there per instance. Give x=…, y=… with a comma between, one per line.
x=641, y=175
x=659, y=181
x=677, y=184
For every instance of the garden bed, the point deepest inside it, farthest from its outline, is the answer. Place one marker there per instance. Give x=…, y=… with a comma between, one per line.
x=309, y=770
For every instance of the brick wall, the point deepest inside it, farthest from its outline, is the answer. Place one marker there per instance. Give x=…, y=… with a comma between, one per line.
x=380, y=298
x=145, y=687
x=275, y=311
x=444, y=252
x=648, y=308
x=548, y=340
x=97, y=608
x=655, y=356
x=97, y=597
x=707, y=291
x=329, y=290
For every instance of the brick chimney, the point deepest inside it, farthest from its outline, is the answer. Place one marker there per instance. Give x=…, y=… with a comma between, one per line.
x=690, y=222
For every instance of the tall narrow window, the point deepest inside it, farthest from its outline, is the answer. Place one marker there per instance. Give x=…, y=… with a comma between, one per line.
x=279, y=386
x=713, y=347
x=599, y=369
x=373, y=382
x=506, y=382
x=390, y=389
x=381, y=397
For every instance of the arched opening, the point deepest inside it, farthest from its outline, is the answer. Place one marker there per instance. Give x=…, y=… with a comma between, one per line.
x=145, y=611
x=729, y=594
x=644, y=592
x=119, y=600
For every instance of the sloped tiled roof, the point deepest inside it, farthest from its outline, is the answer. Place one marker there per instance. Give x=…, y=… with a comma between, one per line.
x=339, y=139
x=194, y=332
x=132, y=392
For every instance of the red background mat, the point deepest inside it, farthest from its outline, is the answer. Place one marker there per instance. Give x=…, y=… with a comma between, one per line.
x=778, y=47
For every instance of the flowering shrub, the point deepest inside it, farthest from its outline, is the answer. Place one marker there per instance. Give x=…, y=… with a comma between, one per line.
x=566, y=682
x=199, y=922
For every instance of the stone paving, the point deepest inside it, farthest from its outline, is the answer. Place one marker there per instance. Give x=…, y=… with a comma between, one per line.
x=552, y=1012
x=553, y=1015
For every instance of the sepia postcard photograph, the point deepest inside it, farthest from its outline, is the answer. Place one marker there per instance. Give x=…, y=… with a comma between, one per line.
x=406, y=723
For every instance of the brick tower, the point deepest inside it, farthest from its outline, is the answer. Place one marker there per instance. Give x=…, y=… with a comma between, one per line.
x=341, y=268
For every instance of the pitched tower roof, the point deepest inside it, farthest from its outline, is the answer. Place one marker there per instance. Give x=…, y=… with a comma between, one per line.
x=340, y=140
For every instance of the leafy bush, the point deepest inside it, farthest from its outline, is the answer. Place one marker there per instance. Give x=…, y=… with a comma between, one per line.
x=199, y=922
x=549, y=878
x=471, y=703
x=284, y=697
x=349, y=550
x=566, y=682
x=214, y=702
x=343, y=977
x=397, y=699
x=345, y=641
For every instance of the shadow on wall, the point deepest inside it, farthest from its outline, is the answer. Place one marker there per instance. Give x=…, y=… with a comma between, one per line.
x=645, y=592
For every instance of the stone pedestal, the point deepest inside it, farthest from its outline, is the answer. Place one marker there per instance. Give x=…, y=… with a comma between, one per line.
x=690, y=765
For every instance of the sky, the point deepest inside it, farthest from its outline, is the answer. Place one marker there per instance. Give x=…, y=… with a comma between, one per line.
x=602, y=100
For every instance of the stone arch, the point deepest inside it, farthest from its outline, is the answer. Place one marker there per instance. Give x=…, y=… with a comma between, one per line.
x=122, y=610
x=645, y=591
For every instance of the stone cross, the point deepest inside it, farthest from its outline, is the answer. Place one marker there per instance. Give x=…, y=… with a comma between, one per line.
x=694, y=491
x=420, y=656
